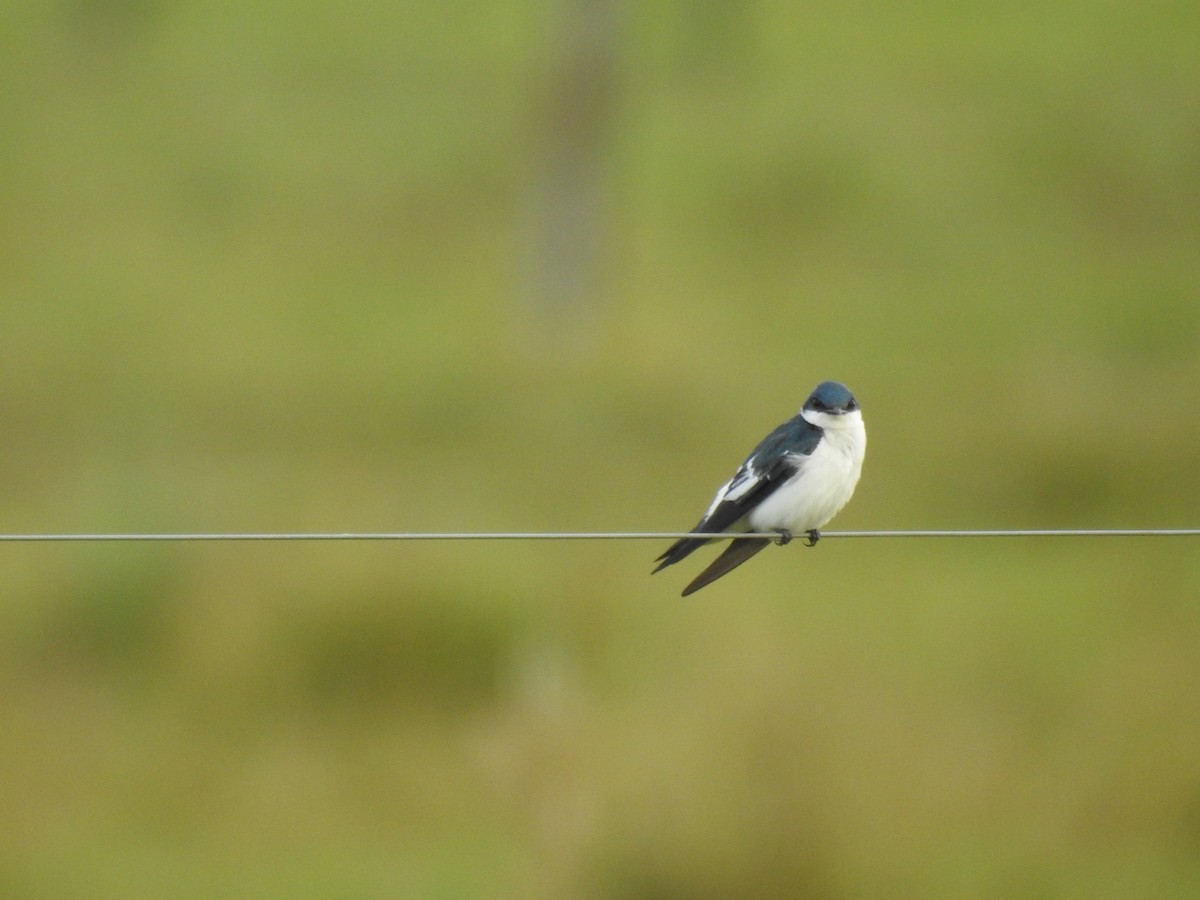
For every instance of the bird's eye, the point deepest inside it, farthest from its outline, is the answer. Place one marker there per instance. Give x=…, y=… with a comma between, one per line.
x=852, y=405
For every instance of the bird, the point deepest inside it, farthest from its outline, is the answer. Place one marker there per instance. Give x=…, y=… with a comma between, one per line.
x=796, y=480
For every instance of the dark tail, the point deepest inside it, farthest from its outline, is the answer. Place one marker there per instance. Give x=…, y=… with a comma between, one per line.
x=735, y=554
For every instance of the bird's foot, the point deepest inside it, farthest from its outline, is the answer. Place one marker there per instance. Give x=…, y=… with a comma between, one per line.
x=785, y=537
x=813, y=536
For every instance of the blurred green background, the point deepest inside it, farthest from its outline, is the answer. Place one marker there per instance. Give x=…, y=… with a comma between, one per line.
x=557, y=266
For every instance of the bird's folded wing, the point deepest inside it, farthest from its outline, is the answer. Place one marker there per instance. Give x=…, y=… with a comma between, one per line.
x=748, y=488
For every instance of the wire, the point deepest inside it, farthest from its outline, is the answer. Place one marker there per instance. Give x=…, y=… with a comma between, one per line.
x=1023, y=532
x=592, y=535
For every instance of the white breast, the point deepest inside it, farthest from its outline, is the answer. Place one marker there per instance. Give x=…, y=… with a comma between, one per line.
x=824, y=483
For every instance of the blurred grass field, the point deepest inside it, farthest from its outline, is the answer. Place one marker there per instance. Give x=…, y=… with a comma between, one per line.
x=286, y=267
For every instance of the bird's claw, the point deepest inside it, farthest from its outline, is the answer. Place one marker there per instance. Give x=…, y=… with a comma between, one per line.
x=785, y=537
x=813, y=536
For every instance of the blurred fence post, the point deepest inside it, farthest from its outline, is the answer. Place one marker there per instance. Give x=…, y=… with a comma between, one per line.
x=567, y=201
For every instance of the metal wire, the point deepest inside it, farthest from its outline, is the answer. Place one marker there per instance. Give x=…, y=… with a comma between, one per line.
x=593, y=535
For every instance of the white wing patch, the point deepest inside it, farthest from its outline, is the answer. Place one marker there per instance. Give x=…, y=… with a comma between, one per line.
x=746, y=479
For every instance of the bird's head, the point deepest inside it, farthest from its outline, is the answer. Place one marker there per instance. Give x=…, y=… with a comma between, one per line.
x=831, y=405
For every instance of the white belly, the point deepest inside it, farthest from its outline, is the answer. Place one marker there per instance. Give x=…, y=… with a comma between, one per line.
x=824, y=484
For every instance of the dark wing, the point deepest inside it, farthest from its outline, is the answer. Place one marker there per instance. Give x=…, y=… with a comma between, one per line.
x=770, y=465
x=734, y=500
